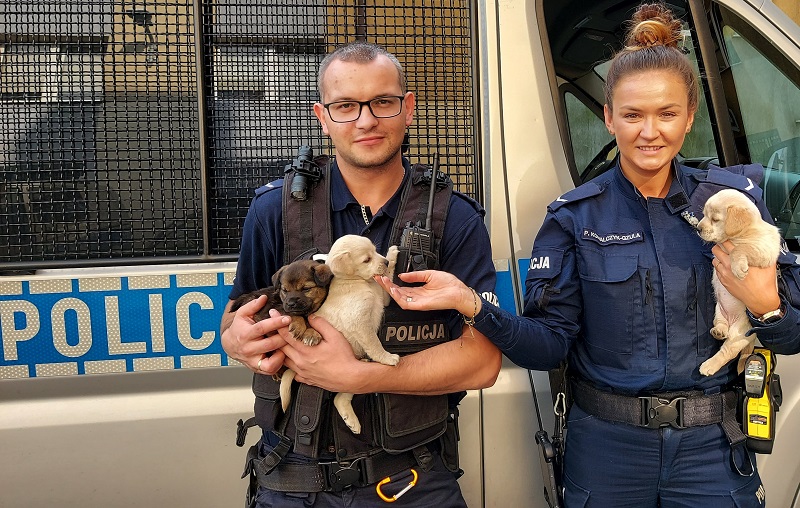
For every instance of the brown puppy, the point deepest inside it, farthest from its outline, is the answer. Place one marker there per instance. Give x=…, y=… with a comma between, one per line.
x=730, y=215
x=297, y=290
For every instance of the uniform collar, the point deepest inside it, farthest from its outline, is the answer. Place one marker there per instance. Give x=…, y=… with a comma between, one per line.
x=341, y=197
x=676, y=199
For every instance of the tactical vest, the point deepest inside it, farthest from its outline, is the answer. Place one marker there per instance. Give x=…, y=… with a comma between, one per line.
x=391, y=422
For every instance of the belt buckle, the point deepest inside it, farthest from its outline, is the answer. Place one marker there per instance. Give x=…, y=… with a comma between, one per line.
x=658, y=412
x=340, y=476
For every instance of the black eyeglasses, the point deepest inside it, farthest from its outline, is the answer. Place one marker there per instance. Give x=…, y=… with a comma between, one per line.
x=386, y=106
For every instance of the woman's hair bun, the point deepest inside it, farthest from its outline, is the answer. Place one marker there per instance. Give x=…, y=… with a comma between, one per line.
x=653, y=24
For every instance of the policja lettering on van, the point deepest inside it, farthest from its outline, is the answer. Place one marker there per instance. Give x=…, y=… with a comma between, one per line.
x=538, y=263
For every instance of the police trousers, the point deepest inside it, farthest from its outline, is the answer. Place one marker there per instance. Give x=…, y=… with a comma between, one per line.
x=616, y=465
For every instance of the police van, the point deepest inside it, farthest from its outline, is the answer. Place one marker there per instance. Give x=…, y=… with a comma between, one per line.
x=134, y=135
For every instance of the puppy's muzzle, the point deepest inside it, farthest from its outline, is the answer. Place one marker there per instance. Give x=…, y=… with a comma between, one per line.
x=297, y=305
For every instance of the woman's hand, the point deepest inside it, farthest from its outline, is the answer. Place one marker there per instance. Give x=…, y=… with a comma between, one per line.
x=255, y=343
x=330, y=364
x=440, y=291
x=758, y=290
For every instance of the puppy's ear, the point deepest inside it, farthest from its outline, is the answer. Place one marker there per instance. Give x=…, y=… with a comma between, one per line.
x=339, y=263
x=738, y=218
x=276, y=277
x=322, y=274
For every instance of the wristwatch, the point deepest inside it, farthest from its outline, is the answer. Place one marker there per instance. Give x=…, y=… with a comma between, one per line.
x=772, y=316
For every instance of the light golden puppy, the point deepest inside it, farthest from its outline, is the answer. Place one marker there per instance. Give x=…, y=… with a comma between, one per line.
x=354, y=306
x=730, y=215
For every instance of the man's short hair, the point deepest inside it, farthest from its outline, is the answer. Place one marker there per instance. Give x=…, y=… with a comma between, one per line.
x=359, y=52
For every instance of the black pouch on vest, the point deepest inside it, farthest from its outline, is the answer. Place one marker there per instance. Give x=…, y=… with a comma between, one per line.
x=268, y=404
x=449, y=444
x=407, y=421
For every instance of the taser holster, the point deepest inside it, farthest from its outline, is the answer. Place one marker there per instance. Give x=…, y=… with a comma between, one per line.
x=762, y=399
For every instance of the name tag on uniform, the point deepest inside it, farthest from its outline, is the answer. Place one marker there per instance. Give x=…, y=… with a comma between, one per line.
x=612, y=238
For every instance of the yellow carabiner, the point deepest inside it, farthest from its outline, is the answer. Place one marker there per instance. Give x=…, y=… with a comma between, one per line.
x=396, y=496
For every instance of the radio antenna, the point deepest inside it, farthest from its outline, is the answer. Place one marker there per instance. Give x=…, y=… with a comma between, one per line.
x=434, y=173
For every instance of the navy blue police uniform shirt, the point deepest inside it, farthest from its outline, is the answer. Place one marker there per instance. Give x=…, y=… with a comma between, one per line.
x=465, y=248
x=622, y=284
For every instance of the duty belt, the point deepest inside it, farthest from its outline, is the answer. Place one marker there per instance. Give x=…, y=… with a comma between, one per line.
x=676, y=409
x=318, y=476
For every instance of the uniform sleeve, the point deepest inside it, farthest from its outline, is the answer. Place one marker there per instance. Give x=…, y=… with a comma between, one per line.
x=550, y=322
x=783, y=337
x=466, y=252
x=260, y=254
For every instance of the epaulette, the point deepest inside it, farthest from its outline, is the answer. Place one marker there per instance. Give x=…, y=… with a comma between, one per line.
x=586, y=190
x=742, y=177
x=472, y=202
x=275, y=184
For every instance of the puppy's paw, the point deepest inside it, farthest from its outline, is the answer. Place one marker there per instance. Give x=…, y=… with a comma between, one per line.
x=352, y=423
x=740, y=269
x=311, y=337
x=388, y=359
x=709, y=367
x=391, y=255
x=719, y=332
x=297, y=329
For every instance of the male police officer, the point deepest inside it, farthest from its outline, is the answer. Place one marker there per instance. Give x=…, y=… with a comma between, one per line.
x=365, y=109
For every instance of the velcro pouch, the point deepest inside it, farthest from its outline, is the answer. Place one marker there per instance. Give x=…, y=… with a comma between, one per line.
x=407, y=421
x=267, y=406
x=307, y=412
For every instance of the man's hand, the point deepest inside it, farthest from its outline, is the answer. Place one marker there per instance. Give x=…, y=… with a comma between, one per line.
x=254, y=344
x=330, y=364
x=758, y=290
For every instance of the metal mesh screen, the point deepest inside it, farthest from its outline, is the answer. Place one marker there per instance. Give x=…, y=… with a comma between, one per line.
x=138, y=131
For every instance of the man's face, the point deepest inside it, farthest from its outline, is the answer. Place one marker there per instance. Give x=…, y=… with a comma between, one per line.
x=368, y=142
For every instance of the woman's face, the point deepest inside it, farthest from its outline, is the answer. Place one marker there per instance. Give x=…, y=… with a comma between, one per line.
x=650, y=119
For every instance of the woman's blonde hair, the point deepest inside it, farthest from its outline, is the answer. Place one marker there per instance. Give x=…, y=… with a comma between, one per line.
x=652, y=44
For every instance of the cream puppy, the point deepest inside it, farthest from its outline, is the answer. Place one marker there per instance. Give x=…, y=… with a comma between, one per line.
x=730, y=215
x=354, y=306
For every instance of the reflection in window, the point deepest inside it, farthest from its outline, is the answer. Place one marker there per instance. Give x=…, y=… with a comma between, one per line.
x=587, y=132
x=48, y=72
x=699, y=142
x=770, y=114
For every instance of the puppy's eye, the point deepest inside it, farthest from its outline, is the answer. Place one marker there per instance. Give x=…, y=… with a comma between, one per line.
x=368, y=259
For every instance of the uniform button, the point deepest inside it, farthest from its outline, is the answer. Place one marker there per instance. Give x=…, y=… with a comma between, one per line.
x=305, y=419
x=341, y=452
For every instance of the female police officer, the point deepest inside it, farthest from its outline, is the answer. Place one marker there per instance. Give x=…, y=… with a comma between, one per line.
x=620, y=285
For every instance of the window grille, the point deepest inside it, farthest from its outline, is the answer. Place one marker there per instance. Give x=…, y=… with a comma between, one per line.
x=137, y=131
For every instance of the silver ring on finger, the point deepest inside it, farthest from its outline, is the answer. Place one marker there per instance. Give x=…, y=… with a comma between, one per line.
x=258, y=365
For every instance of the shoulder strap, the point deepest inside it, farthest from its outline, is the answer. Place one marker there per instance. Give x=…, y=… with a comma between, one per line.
x=414, y=204
x=307, y=223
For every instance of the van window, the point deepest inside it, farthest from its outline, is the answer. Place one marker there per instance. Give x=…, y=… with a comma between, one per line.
x=591, y=145
x=768, y=126
x=587, y=131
